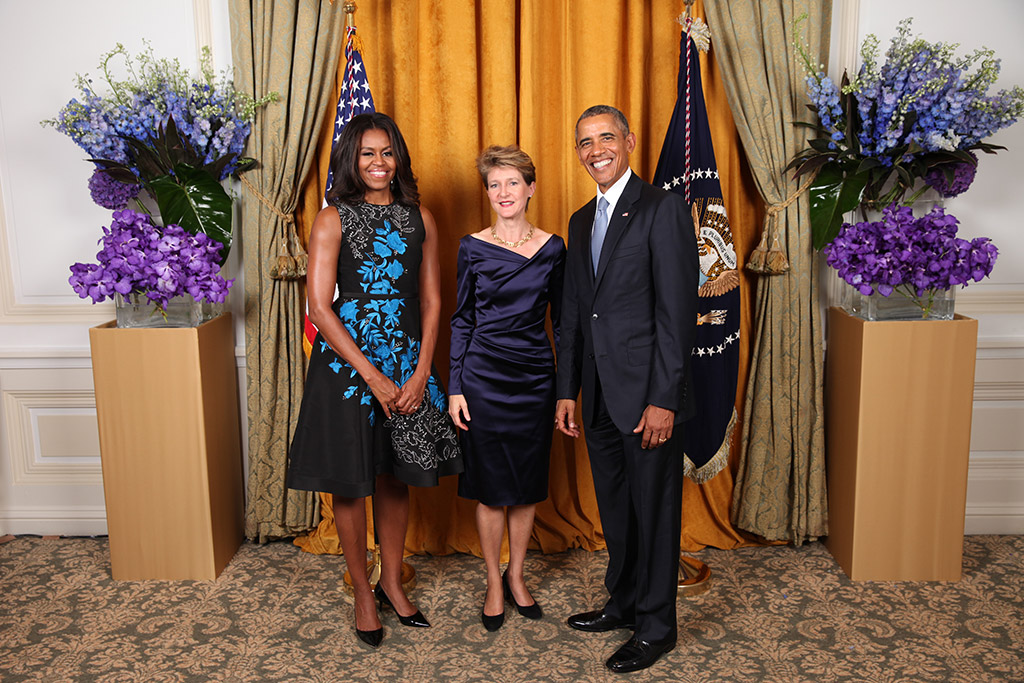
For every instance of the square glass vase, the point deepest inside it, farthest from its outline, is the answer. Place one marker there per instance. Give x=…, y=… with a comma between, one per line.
x=135, y=310
x=937, y=305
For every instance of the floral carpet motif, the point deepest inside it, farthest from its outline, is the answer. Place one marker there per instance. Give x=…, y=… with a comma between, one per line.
x=277, y=614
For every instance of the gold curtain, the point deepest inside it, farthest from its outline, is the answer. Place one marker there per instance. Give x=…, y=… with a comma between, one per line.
x=457, y=78
x=291, y=47
x=780, y=484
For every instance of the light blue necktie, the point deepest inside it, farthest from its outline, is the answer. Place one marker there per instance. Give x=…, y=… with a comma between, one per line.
x=600, y=228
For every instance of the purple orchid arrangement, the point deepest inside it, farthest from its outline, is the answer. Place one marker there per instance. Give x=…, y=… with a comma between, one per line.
x=914, y=257
x=161, y=262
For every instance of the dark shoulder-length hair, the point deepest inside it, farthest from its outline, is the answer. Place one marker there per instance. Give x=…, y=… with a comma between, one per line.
x=348, y=186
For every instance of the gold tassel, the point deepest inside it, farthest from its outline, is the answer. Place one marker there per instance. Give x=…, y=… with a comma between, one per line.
x=757, y=259
x=301, y=264
x=773, y=261
x=776, y=262
x=286, y=266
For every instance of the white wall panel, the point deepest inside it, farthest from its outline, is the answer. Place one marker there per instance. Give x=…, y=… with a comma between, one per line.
x=50, y=220
x=49, y=449
x=50, y=476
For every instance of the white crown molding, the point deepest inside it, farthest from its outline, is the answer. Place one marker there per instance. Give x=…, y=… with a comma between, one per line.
x=23, y=442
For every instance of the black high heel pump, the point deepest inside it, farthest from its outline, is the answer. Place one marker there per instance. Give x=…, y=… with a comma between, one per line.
x=412, y=620
x=371, y=638
x=529, y=611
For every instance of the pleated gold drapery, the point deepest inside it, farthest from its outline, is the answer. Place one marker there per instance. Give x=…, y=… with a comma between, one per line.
x=457, y=78
x=278, y=46
x=780, y=486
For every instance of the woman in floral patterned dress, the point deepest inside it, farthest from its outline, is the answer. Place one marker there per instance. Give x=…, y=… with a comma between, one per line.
x=374, y=415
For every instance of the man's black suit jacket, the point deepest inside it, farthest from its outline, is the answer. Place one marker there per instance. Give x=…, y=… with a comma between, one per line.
x=633, y=324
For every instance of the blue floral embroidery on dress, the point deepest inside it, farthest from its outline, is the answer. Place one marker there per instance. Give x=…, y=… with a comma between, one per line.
x=374, y=323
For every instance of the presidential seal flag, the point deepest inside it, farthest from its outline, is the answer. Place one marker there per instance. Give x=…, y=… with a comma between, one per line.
x=687, y=167
x=355, y=98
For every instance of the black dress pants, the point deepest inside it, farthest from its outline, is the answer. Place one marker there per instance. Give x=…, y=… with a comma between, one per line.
x=639, y=496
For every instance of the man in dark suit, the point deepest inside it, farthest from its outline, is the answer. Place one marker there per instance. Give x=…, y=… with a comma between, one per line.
x=629, y=316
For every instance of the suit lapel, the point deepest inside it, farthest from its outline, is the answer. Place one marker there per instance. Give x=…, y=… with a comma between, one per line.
x=587, y=230
x=619, y=221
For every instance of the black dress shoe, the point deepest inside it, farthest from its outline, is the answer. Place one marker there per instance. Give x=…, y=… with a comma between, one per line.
x=371, y=638
x=597, y=621
x=412, y=620
x=529, y=611
x=492, y=622
x=638, y=654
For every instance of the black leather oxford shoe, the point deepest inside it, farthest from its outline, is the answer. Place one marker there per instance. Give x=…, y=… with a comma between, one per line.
x=638, y=654
x=597, y=621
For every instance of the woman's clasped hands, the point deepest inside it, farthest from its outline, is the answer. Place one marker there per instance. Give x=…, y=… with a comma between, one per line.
x=403, y=400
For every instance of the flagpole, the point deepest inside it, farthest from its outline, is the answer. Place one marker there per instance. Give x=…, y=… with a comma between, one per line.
x=694, y=575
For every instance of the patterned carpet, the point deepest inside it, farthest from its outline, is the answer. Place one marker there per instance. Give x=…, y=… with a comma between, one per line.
x=277, y=614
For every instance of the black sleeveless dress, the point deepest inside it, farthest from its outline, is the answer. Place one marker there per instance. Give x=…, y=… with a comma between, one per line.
x=342, y=439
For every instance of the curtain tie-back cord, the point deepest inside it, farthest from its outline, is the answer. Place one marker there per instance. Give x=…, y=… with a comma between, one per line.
x=292, y=261
x=772, y=260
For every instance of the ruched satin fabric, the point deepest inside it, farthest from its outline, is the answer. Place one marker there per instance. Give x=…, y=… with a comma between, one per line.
x=502, y=362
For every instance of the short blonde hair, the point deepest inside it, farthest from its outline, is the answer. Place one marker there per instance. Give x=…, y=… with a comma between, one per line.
x=510, y=157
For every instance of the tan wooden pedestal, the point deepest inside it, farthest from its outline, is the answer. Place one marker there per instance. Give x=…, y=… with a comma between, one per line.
x=898, y=402
x=167, y=408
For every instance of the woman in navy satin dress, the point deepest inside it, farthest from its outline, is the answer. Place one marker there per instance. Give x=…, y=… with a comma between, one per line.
x=502, y=383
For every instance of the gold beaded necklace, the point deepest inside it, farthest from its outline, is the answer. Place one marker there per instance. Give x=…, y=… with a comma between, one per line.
x=513, y=245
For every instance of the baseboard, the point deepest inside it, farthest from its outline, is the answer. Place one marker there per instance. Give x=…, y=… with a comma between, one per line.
x=85, y=520
x=1005, y=519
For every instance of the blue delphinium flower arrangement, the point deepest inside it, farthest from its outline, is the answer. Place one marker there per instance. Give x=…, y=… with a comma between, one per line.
x=210, y=115
x=914, y=117
x=139, y=257
x=166, y=133
x=914, y=257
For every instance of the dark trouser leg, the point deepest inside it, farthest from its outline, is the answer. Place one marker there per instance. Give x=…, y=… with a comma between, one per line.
x=639, y=495
x=611, y=485
x=656, y=485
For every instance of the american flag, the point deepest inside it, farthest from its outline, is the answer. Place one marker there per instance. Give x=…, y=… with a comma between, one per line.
x=355, y=95
x=355, y=98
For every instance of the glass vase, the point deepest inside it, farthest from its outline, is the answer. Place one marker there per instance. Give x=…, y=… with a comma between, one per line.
x=136, y=310
x=903, y=305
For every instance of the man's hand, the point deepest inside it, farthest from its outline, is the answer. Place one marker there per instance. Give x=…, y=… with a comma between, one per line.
x=656, y=425
x=565, y=417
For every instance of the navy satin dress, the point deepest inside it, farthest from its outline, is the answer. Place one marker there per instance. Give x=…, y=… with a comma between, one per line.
x=502, y=362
